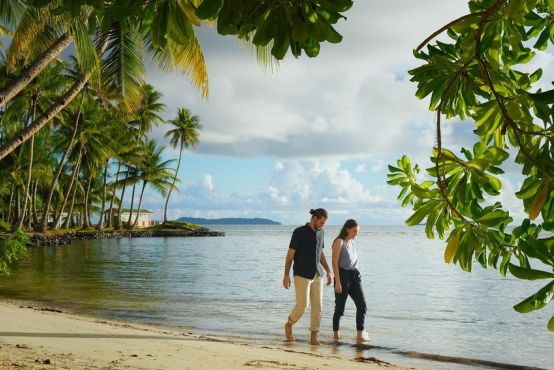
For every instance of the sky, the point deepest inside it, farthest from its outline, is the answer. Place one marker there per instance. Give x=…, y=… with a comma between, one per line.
x=314, y=132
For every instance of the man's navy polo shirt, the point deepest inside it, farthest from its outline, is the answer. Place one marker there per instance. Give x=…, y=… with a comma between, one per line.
x=308, y=245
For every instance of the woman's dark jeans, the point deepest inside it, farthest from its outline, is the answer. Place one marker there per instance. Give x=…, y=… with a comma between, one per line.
x=351, y=282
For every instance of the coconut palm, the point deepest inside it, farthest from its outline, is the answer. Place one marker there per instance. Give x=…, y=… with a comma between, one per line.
x=185, y=135
x=153, y=171
x=123, y=47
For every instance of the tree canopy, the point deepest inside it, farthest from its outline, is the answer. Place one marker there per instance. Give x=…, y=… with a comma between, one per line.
x=479, y=76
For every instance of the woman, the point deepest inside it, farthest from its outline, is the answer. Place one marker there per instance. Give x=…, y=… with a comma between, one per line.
x=348, y=281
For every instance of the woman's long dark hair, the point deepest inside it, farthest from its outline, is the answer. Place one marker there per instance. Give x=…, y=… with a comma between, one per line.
x=349, y=224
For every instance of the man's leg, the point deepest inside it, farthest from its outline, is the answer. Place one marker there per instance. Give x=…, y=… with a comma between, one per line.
x=301, y=289
x=316, y=301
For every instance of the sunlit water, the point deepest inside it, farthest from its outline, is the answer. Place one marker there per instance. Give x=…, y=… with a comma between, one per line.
x=232, y=285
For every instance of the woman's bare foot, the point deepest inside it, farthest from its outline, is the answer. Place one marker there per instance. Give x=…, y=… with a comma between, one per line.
x=288, y=333
x=362, y=336
x=313, y=339
x=336, y=335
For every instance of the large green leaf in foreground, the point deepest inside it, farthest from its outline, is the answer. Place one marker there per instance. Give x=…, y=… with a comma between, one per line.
x=478, y=77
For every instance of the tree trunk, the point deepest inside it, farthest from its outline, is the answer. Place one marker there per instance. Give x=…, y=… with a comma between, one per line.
x=119, y=221
x=174, y=180
x=110, y=215
x=30, y=167
x=20, y=82
x=140, y=203
x=100, y=225
x=132, y=202
x=44, y=220
x=72, y=182
x=10, y=206
x=70, y=213
x=87, y=195
x=35, y=217
x=50, y=113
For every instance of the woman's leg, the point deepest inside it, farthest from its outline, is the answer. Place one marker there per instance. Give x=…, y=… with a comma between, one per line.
x=357, y=294
x=340, y=299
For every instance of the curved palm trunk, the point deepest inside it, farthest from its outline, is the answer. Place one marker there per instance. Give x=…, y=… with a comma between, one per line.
x=30, y=167
x=67, y=222
x=132, y=202
x=140, y=203
x=20, y=82
x=118, y=223
x=110, y=216
x=35, y=216
x=10, y=206
x=71, y=184
x=173, y=185
x=50, y=113
x=100, y=225
x=86, y=220
x=44, y=219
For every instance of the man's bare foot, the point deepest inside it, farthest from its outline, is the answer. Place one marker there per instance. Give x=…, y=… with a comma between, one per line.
x=288, y=333
x=336, y=335
x=313, y=339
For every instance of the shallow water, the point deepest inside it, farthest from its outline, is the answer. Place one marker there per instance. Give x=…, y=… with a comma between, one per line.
x=232, y=285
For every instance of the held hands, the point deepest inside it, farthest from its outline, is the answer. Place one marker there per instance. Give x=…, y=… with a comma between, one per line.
x=286, y=282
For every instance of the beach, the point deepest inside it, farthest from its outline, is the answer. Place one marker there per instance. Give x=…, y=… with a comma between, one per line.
x=34, y=337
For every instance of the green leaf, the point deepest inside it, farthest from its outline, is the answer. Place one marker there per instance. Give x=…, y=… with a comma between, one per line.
x=417, y=217
x=452, y=247
x=550, y=325
x=537, y=300
x=209, y=9
x=493, y=218
x=528, y=273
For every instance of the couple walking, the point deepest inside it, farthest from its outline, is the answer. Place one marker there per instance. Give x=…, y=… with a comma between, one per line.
x=306, y=251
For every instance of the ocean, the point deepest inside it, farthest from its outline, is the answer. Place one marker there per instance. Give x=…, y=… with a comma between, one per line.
x=421, y=311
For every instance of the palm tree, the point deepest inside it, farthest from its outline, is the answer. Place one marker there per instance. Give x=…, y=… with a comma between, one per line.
x=185, y=135
x=154, y=172
x=122, y=48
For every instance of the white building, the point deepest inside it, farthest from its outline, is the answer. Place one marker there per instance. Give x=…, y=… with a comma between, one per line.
x=144, y=217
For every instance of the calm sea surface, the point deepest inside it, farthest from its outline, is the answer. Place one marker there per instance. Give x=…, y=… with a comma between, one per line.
x=232, y=285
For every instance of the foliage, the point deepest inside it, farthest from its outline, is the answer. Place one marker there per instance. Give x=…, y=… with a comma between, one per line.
x=12, y=248
x=298, y=25
x=475, y=77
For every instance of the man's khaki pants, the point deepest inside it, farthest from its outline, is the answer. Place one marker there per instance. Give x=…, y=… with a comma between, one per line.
x=308, y=289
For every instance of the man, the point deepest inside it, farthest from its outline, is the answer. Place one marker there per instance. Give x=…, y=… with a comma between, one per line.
x=306, y=250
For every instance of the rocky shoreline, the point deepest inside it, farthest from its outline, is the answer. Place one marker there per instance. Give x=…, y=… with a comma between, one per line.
x=38, y=239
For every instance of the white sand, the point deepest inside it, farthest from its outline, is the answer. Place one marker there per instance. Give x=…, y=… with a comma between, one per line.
x=35, y=339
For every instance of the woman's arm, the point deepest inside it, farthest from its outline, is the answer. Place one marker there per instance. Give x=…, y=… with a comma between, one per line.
x=337, y=246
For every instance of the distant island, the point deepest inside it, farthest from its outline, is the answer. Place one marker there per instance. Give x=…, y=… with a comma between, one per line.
x=228, y=221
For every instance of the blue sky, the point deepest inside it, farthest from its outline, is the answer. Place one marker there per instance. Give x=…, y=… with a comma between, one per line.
x=314, y=132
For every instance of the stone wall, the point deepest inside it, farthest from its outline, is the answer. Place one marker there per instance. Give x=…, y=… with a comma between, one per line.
x=42, y=239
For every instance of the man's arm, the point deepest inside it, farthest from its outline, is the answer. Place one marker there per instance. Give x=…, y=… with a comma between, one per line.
x=288, y=264
x=323, y=262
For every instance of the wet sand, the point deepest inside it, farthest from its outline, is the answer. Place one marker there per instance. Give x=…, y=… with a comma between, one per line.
x=38, y=338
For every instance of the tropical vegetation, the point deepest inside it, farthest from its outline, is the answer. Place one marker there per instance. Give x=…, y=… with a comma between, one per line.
x=482, y=76
x=74, y=131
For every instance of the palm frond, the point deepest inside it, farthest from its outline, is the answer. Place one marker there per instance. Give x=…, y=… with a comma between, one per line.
x=122, y=65
x=33, y=22
x=187, y=59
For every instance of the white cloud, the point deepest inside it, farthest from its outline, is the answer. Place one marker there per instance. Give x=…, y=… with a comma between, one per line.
x=292, y=186
x=354, y=100
x=361, y=168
